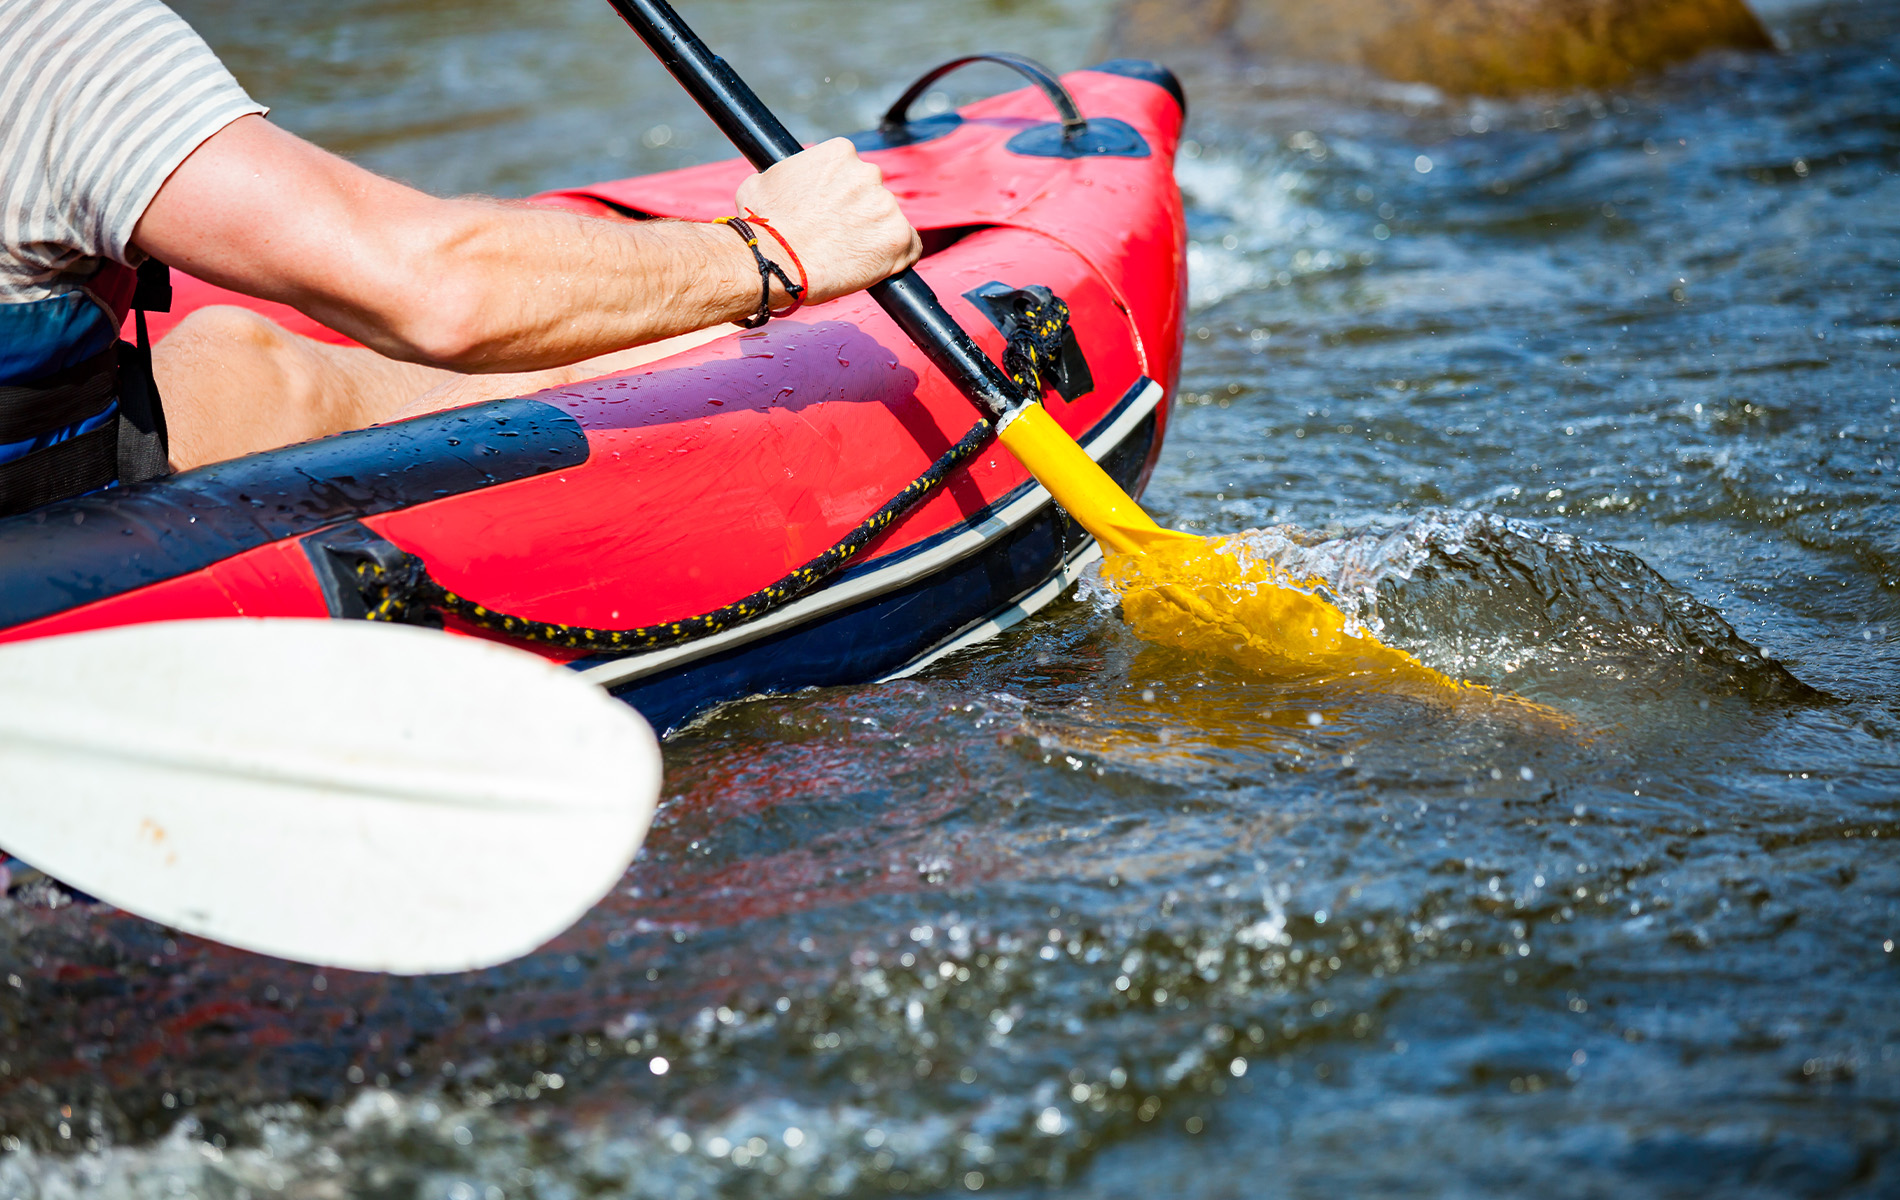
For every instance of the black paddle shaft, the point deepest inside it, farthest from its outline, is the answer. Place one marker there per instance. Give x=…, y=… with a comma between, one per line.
x=764, y=140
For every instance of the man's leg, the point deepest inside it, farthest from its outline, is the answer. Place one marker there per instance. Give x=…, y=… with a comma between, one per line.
x=457, y=390
x=234, y=383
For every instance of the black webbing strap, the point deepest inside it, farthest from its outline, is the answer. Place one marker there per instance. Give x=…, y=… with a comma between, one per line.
x=69, y=468
x=48, y=405
x=144, y=448
x=57, y=401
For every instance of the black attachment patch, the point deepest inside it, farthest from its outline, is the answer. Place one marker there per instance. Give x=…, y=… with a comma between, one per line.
x=910, y=133
x=354, y=564
x=1005, y=306
x=1105, y=137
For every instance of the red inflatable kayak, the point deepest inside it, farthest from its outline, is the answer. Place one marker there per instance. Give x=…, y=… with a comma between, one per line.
x=670, y=491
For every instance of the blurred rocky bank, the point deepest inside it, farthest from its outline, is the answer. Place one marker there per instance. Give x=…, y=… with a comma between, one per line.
x=1490, y=47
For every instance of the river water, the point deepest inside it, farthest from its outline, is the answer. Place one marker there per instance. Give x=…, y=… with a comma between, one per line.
x=1591, y=398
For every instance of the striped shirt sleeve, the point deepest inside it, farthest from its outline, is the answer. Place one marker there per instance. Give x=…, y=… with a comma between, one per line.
x=100, y=100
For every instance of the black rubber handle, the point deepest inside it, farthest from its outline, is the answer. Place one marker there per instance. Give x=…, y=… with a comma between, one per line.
x=763, y=139
x=1073, y=123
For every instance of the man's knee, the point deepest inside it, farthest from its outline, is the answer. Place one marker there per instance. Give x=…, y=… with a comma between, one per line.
x=233, y=382
x=226, y=327
x=250, y=384
x=231, y=355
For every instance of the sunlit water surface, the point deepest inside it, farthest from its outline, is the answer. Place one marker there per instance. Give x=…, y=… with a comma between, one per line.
x=1591, y=400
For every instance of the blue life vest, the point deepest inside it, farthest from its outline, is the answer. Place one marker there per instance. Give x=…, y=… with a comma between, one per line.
x=78, y=408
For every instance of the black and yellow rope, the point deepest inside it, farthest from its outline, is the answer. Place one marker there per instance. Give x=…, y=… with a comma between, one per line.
x=396, y=594
x=1035, y=344
x=406, y=592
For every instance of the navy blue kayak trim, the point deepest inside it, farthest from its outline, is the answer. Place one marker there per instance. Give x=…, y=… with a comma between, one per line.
x=884, y=633
x=1148, y=72
x=79, y=551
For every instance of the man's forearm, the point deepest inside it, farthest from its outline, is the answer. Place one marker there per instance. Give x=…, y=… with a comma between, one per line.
x=485, y=286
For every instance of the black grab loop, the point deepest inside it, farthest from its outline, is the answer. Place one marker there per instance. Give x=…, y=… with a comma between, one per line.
x=895, y=126
x=1074, y=136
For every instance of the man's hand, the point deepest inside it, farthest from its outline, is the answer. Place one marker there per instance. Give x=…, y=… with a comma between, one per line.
x=832, y=207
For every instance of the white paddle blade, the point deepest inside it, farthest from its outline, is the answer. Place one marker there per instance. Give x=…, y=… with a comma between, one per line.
x=354, y=795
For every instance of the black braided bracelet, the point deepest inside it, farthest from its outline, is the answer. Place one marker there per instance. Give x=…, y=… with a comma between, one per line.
x=767, y=269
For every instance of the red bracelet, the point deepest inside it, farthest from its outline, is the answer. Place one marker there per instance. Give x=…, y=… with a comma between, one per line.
x=804, y=284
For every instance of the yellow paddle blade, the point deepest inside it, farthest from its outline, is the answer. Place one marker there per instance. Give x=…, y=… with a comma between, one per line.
x=1189, y=593
x=1179, y=589
x=1194, y=593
